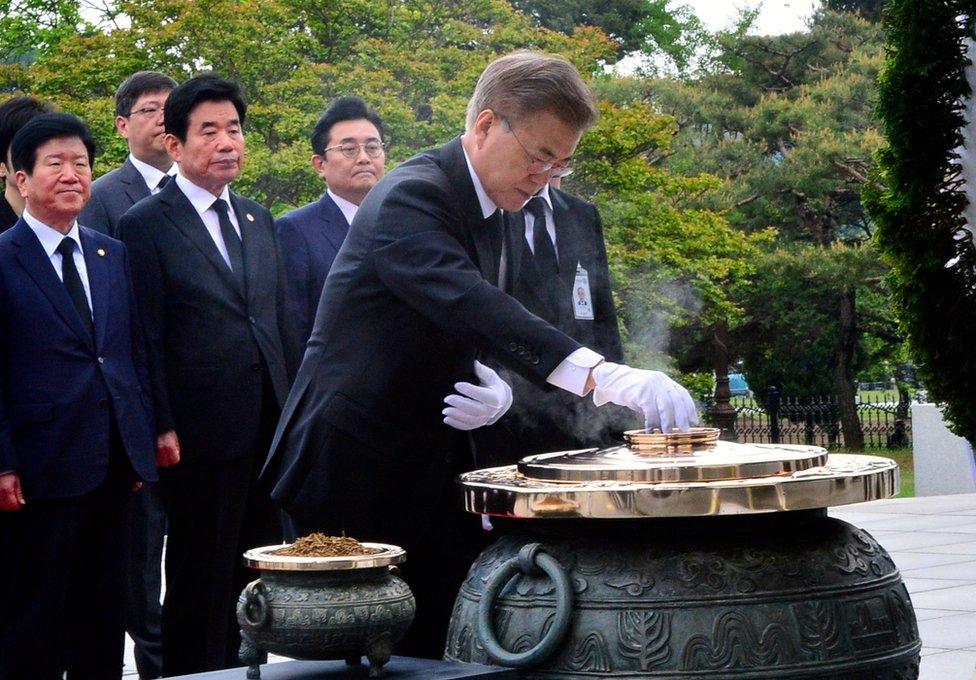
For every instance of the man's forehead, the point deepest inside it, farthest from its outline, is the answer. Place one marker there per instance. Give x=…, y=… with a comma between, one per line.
x=155, y=94
x=60, y=146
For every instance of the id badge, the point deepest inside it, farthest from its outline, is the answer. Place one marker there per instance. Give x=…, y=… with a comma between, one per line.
x=582, y=302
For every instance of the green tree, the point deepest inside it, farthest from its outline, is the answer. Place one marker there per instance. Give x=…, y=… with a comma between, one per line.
x=866, y=9
x=787, y=121
x=918, y=198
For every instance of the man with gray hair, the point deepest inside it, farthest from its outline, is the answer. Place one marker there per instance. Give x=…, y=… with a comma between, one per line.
x=375, y=427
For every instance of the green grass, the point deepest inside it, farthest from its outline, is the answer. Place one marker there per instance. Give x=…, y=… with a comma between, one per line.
x=904, y=459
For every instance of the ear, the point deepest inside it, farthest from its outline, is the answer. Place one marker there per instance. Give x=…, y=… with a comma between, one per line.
x=21, y=177
x=122, y=125
x=319, y=163
x=174, y=147
x=482, y=124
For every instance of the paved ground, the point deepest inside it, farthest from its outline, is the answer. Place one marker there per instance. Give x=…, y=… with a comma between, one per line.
x=933, y=542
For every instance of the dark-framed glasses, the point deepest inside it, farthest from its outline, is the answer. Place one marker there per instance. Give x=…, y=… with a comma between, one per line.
x=148, y=111
x=373, y=148
x=536, y=167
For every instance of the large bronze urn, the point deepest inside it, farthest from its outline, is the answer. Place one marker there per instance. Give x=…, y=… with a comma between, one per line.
x=688, y=560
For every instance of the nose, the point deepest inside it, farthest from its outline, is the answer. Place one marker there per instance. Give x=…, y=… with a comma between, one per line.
x=69, y=173
x=224, y=141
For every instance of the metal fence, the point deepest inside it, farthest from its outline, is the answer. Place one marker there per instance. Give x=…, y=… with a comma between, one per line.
x=885, y=421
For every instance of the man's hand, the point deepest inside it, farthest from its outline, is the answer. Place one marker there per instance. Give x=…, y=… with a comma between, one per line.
x=478, y=405
x=11, y=495
x=167, y=449
x=665, y=404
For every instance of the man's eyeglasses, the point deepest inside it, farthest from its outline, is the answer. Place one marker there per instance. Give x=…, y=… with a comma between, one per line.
x=554, y=169
x=372, y=148
x=148, y=111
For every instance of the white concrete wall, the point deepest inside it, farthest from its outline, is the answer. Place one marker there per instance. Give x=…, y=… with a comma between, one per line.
x=944, y=462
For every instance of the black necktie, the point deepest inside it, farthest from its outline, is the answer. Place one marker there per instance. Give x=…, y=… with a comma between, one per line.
x=231, y=241
x=163, y=182
x=72, y=281
x=544, y=253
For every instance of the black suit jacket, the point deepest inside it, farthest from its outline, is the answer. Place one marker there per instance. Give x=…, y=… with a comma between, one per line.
x=61, y=387
x=409, y=303
x=209, y=344
x=543, y=420
x=112, y=195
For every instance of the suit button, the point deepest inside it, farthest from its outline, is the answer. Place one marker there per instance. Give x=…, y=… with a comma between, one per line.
x=101, y=360
x=535, y=361
x=512, y=346
x=103, y=403
x=256, y=368
x=251, y=319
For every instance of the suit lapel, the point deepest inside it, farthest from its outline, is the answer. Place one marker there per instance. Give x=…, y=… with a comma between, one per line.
x=32, y=258
x=334, y=224
x=98, y=284
x=135, y=185
x=569, y=244
x=478, y=230
x=184, y=216
x=256, y=248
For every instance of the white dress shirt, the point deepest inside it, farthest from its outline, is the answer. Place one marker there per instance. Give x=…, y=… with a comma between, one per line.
x=572, y=373
x=50, y=239
x=202, y=200
x=348, y=208
x=150, y=174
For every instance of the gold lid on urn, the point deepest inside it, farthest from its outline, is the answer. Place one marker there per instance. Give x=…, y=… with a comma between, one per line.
x=678, y=474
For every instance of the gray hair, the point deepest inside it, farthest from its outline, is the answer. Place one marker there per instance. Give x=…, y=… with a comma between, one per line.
x=524, y=83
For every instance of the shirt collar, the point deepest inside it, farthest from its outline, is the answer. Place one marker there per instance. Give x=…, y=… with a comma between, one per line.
x=488, y=206
x=150, y=175
x=198, y=196
x=50, y=237
x=348, y=208
x=543, y=193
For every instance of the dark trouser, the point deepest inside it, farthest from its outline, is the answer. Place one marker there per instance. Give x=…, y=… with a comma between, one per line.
x=147, y=526
x=216, y=512
x=441, y=540
x=61, y=592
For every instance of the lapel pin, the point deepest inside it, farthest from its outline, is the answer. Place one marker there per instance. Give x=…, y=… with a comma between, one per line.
x=101, y=252
x=250, y=217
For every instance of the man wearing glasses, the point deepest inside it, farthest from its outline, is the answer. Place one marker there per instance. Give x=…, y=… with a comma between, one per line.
x=377, y=424
x=348, y=152
x=139, y=119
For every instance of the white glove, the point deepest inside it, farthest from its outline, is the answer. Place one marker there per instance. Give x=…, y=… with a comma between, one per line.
x=664, y=403
x=478, y=405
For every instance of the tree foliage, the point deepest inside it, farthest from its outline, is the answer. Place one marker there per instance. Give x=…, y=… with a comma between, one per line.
x=416, y=61
x=918, y=197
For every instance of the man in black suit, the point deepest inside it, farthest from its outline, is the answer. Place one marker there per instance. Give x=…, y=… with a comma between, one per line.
x=14, y=114
x=348, y=153
x=556, y=266
x=76, y=429
x=139, y=103
x=210, y=286
x=365, y=444
x=139, y=119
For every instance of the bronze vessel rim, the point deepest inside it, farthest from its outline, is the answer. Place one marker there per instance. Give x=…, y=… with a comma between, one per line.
x=261, y=558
